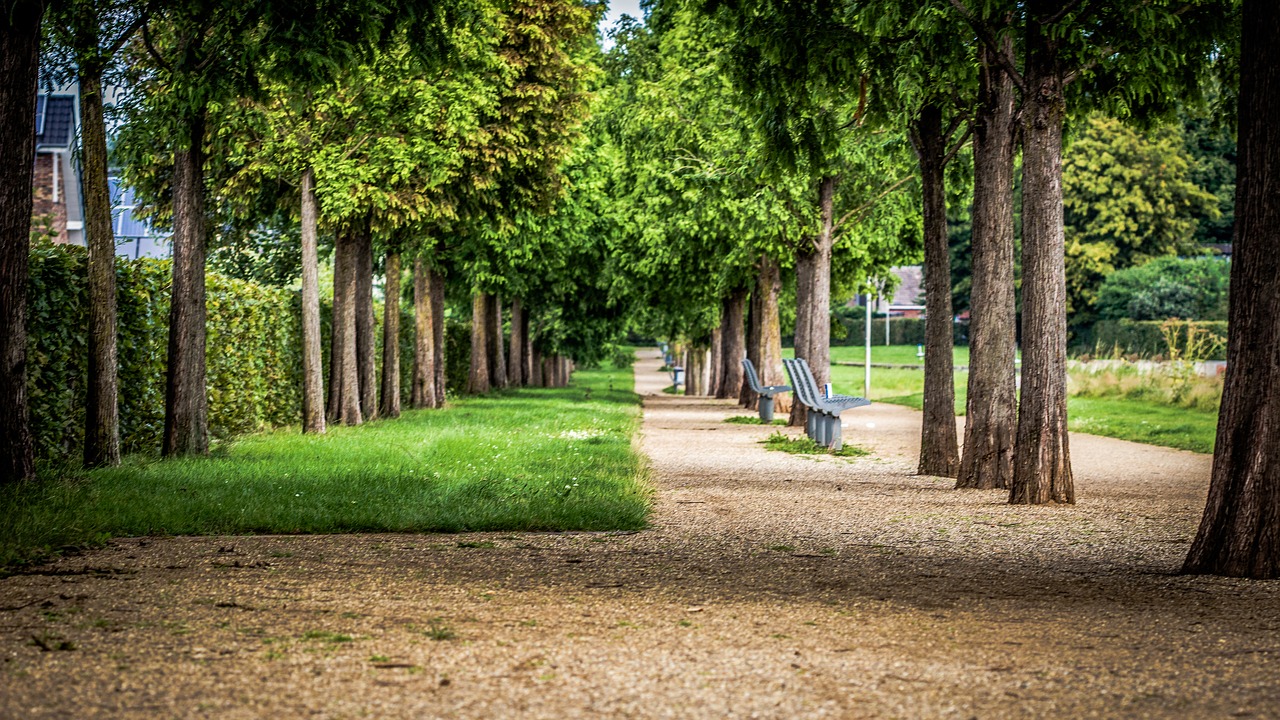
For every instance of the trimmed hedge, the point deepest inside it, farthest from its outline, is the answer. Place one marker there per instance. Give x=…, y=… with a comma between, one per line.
x=1144, y=338
x=254, y=352
x=902, y=331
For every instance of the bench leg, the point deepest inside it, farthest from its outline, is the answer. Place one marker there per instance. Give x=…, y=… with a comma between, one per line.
x=766, y=410
x=811, y=423
x=821, y=436
x=837, y=441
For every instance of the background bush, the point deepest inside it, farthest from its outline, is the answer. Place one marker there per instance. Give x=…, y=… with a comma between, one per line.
x=1145, y=338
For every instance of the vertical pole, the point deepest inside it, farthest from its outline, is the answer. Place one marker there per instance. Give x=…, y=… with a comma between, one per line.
x=866, y=366
x=887, y=308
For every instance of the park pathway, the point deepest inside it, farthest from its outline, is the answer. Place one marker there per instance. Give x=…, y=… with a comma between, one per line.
x=770, y=586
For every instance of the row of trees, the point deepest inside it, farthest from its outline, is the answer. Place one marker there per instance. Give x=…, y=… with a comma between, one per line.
x=756, y=131
x=434, y=141
x=740, y=151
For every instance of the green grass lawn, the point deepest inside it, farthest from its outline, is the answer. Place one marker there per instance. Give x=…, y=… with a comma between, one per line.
x=1144, y=422
x=1128, y=419
x=889, y=354
x=531, y=459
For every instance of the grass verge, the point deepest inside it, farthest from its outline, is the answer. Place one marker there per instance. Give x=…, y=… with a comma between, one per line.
x=752, y=420
x=523, y=460
x=804, y=445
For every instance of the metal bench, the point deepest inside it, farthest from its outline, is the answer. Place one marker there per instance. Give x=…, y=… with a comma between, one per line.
x=766, y=392
x=823, y=422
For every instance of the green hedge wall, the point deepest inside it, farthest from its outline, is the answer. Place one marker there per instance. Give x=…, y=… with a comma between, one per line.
x=902, y=331
x=1144, y=338
x=254, y=352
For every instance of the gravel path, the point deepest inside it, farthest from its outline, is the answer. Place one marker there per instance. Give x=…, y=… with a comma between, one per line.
x=771, y=586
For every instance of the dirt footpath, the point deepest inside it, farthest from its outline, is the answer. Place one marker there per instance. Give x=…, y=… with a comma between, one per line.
x=771, y=586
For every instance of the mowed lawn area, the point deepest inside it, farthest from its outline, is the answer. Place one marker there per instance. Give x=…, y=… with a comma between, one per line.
x=529, y=459
x=1128, y=419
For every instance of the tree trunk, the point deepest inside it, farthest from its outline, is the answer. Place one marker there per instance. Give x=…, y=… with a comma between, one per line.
x=186, y=416
x=938, y=453
x=1240, y=532
x=991, y=405
x=19, y=63
x=813, y=304
x=693, y=370
x=423, y=392
x=733, y=345
x=806, y=267
x=526, y=349
x=769, y=365
x=747, y=397
x=515, y=359
x=344, y=331
x=716, y=363
x=336, y=337
x=1042, y=459
x=493, y=334
x=536, y=377
x=366, y=347
x=437, y=327
x=312, y=370
x=390, y=407
x=102, y=415
x=478, y=378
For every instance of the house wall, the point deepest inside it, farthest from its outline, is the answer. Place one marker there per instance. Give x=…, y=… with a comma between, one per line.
x=47, y=215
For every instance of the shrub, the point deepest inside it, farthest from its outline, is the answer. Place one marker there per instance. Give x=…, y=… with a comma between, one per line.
x=253, y=352
x=1167, y=287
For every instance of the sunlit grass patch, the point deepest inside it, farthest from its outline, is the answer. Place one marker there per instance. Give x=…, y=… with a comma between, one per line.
x=522, y=460
x=805, y=445
x=752, y=420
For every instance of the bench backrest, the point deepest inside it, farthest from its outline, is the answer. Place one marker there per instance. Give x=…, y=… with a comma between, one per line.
x=806, y=377
x=752, y=379
x=802, y=389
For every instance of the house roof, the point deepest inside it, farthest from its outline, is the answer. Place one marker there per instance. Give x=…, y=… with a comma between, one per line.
x=910, y=290
x=55, y=122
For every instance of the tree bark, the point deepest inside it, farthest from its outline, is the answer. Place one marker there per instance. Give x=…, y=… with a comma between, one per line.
x=390, y=407
x=344, y=329
x=694, y=357
x=938, y=452
x=1239, y=533
x=423, y=392
x=336, y=337
x=806, y=267
x=437, y=327
x=515, y=359
x=186, y=417
x=1042, y=459
x=102, y=415
x=366, y=347
x=536, y=376
x=716, y=363
x=493, y=334
x=313, y=420
x=19, y=63
x=478, y=377
x=747, y=397
x=526, y=349
x=991, y=404
x=732, y=344
x=769, y=364
x=813, y=304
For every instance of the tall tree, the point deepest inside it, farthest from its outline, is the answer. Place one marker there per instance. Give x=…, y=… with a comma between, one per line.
x=1239, y=534
x=1136, y=55
x=991, y=402
x=19, y=65
x=87, y=36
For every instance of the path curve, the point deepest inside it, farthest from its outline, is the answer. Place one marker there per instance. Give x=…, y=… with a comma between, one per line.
x=770, y=586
